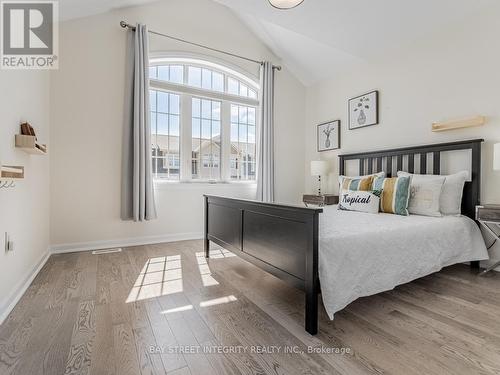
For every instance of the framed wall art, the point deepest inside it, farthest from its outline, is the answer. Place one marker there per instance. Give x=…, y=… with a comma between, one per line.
x=363, y=110
x=329, y=136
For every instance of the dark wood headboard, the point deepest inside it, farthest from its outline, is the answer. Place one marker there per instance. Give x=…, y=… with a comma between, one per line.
x=378, y=161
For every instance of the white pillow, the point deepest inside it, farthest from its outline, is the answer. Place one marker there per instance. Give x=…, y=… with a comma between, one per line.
x=450, y=202
x=425, y=194
x=453, y=190
x=361, y=201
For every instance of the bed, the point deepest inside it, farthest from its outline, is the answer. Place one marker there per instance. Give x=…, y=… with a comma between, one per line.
x=292, y=243
x=361, y=256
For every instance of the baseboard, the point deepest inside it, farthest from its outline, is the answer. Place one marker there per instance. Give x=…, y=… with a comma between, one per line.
x=85, y=246
x=22, y=287
x=123, y=242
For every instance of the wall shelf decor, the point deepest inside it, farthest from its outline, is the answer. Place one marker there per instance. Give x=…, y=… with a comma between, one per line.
x=29, y=144
x=9, y=174
x=469, y=122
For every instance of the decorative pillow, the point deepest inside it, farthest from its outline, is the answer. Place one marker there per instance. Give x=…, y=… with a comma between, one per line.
x=362, y=201
x=356, y=184
x=425, y=194
x=395, y=194
x=379, y=174
x=341, y=178
x=450, y=202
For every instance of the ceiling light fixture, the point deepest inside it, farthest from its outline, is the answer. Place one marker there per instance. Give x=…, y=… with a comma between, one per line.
x=285, y=4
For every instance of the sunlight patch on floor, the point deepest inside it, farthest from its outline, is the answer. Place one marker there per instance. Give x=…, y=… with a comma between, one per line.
x=206, y=276
x=211, y=302
x=218, y=301
x=178, y=309
x=159, y=276
x=217, y=254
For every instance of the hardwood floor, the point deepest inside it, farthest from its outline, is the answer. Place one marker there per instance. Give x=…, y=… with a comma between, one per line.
x=163, y=309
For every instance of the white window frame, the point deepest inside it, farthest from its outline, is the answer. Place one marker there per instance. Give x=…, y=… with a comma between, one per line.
x=186, y=95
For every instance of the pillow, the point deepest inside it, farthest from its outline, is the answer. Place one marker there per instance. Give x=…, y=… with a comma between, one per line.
x=425, y=194
x=341, y=178
x=361, y=201
x=379, y=174
x=450, y=202
x=453, y=190
x=395, y=194
x=355, y=184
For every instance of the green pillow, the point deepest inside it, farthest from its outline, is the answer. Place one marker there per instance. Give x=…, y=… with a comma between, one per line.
x=395, y=194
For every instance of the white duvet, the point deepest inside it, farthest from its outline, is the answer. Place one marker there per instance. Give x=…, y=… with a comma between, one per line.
x=363, y=254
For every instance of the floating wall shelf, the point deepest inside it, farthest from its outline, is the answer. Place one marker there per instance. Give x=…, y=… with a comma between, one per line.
x=469, y=122
x=11, y=172
x=29, y=144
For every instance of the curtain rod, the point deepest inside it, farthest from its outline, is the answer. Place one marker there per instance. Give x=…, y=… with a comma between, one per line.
x=128, y=26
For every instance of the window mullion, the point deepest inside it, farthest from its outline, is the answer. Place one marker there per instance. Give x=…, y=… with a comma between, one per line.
x=165, y=157
x=156, y=136
x=211, y=154
x=199, y=92
x=185, y=141
x=225, y=161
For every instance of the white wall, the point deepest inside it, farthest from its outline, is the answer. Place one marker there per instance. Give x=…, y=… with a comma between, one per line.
x=450, y=75
x=87, y=96
x=24, y=210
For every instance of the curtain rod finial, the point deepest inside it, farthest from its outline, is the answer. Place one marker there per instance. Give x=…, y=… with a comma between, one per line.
x=123, y=24
x=277, y=67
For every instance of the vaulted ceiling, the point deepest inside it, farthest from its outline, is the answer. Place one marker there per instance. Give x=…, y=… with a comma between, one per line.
x=321, y=37
x=70, y=9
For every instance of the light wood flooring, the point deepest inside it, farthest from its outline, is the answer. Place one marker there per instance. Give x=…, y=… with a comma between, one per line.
x=161, y=308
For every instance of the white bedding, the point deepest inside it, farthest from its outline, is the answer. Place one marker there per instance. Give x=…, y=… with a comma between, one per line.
x=363, y=254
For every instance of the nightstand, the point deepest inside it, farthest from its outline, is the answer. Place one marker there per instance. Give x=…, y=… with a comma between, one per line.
x=489, y=216
x=320, y=200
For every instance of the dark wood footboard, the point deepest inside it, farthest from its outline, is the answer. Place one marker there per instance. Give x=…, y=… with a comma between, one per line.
x=280, y=239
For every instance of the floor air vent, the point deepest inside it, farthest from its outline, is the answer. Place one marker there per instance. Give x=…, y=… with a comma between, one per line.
x=107, y=251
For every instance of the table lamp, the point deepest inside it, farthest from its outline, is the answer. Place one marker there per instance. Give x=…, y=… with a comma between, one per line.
x=319, y=168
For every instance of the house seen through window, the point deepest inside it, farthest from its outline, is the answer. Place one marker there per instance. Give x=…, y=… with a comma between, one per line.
x=203, y=121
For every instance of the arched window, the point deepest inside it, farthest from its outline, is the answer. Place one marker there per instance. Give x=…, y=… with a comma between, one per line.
x=203, y=120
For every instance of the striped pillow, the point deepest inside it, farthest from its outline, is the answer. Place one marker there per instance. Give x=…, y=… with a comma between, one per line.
x=395, y=194
x=352, y=178
x=357, y=184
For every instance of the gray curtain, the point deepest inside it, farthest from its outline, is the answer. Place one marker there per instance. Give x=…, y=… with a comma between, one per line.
x=265, y=145
x=138, y=201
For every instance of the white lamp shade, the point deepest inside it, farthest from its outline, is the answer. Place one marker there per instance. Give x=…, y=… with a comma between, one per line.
x=285, y=4
x=496, y=157
x=319, y=168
